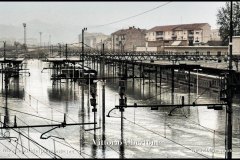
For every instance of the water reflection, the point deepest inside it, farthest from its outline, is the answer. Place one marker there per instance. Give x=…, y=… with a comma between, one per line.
x=178, y=126
x=14, y=89
x=103, y=146
x=61, y=94
x=121, y=146
x=82, y=120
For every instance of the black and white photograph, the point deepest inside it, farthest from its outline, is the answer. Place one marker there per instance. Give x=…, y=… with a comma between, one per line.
x=120, y=79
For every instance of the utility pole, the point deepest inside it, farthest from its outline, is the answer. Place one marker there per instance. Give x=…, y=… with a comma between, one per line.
x=113, y=43
x=6, y=86
x=230, y=93
x=25, y=41
x=122, y=103
x=84, y=29
x=103, y=93
x=49, y=45
x=16, y=44
x=40, y=45
x=60, y=49
x=66, y=52
x=4, y=50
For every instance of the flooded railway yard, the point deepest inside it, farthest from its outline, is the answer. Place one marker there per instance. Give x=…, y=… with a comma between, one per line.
x=143, y=132
x=87, y=80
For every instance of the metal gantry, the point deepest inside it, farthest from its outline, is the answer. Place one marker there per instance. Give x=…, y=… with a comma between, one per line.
x=127, y=61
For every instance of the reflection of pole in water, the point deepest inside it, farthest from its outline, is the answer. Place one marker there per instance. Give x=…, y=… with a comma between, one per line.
x=66, y=108
x=103, y=112
x=16, y=88
x=88, y=95
x=189, y=86
x=94, y=150
x=2, y=78
x=103, y=98
x=122, y=102
x=82, y=115
x=172, y=85
x=6, y=79
x=94, y=110
x=172, y=98
x=121, y=149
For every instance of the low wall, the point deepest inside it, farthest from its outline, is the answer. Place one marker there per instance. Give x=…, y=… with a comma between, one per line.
x=236, y=45
x=204, y=50
x=150, y=49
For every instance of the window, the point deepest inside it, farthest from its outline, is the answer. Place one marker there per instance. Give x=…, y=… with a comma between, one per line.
x=197, y=32
x=159, y=33
x=159, y=39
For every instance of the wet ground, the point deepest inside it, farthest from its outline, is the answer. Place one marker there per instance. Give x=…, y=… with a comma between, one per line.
x=191, y=132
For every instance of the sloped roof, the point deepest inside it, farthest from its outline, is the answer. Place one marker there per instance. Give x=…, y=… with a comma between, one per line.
x=125, y=31
x=162, y=28
x=192, y=26
x=122, y=31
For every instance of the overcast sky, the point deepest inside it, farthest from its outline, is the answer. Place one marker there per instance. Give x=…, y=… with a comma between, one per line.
x=64, y=20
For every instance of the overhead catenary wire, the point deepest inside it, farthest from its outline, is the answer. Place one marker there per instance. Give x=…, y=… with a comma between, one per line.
x=29, y=151
x=51, y=120
x=166, y=138
x=19, y=150
x=55, y=139
x=163, y=137
x=10, y=150
x=30, y=140
x=36, y=143
x=70, y=144
x=31, y=114
x=49, y=106
x=13, y=151
x=124, y=19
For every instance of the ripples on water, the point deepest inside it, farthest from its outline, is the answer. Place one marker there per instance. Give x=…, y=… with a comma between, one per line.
x=174, y=136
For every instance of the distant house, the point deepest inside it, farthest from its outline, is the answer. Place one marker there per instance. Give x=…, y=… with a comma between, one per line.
x=215, y=35
x=128, y=39
x=195, y=33
x=93, y=40
x=236, y=45
x=107, y=44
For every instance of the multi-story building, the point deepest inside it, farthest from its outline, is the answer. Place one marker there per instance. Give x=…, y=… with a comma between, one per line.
x=93, y=39
x=192, y=33
x=128, y=39
x=107, y=44
x=215, y=36
x=236, y=45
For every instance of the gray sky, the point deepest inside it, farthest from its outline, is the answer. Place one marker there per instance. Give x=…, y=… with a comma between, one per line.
x=64, y=20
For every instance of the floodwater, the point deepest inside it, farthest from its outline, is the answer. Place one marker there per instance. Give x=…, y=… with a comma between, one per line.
x=191, y=132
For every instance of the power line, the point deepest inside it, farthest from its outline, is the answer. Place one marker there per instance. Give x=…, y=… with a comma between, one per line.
x=130, y=16
x=69, y=145
x=36, y=143
x=10, y=150
x=30, y=114
x=141, y=126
